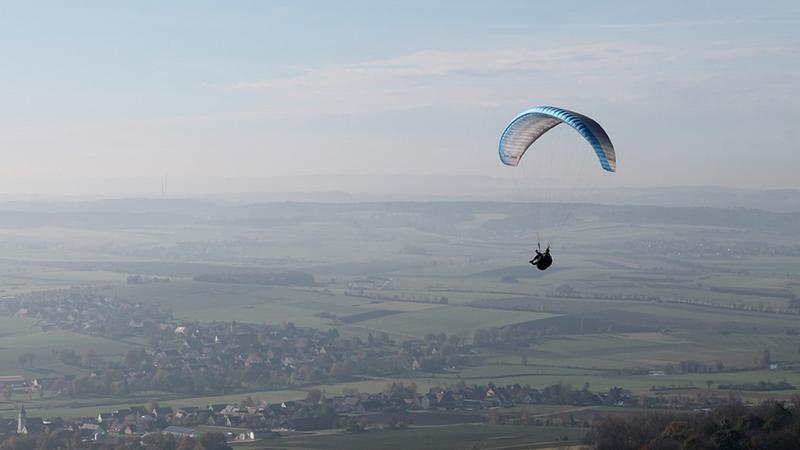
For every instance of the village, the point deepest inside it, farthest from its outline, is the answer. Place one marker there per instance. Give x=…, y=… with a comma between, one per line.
x=399, y=406
x=214, y=358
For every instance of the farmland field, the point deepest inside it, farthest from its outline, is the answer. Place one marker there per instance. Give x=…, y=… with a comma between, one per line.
x=633, y=291
x=444, y=438
x=451, y=320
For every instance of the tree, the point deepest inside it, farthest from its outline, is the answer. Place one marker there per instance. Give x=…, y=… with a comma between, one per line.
x=314, y=396
x=151, y=405
x=454, y=340
x=88, y=357
x=133, y=358
x=727, y=439
x=399, y=391
x=248, y=402
x=26, y=359
x=185, y=443
x=212, y=441
x=160, y=441
x=615, y=433
x=69, y=357
x=766, y=359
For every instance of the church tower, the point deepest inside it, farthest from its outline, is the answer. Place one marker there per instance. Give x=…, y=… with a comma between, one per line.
x=22, y=421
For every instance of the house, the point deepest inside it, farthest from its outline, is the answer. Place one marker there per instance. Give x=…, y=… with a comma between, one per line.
x=312, y=423
x=372, y=405
x=162, y=412
x=121, y=414
x=428, y=401
x=231, y=410
x=99, y=435
x=276, y=409
x=93, y=427
x=188, y=411
x=12, y=381
x=216, y=408
x=180, y=431
x=233, y=421
x=255, y=361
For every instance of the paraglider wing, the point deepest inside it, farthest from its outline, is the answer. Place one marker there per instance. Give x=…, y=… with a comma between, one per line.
x=529, y=125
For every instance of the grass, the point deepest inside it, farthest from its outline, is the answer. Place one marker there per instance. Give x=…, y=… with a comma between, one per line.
x=452, y=320
x=40, y=343
x=81, y=409
x=638, y=383
x=439, y=438
x=593, y=256
x=86, y=407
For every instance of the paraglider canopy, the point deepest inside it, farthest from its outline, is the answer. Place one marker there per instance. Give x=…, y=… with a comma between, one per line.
x=531, y=124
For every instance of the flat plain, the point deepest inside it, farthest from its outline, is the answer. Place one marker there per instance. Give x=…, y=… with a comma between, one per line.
x=631, y=295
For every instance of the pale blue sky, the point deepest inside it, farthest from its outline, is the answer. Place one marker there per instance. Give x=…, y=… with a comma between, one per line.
x=692, y=93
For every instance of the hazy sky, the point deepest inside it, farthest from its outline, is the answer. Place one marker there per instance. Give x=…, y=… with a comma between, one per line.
x=691, y=93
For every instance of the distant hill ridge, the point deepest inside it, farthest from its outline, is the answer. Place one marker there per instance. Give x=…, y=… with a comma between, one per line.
x=359, y=188
x=141, y=212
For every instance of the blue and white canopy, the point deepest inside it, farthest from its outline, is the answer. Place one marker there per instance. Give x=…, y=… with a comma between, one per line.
x=529, y=125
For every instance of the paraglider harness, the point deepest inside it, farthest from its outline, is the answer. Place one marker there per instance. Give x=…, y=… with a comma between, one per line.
x=542, y=260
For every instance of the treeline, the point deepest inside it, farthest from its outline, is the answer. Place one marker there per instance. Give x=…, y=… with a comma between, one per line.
x=141, y=279
x=769, y=426
x=438, y=300
x=755, y=292
x=289, y=278
x=233, y=365
x=761, y=386
x=694, y=366
x=80, y=441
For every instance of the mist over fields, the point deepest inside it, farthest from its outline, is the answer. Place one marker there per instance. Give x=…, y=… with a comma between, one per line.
x=187, y=302
x=262, y=225
x=77, y=194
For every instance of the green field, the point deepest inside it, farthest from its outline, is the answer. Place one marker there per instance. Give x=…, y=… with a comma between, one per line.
x=440, y=438
x=451, y=320
x=19, y=336
x=616, y=261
